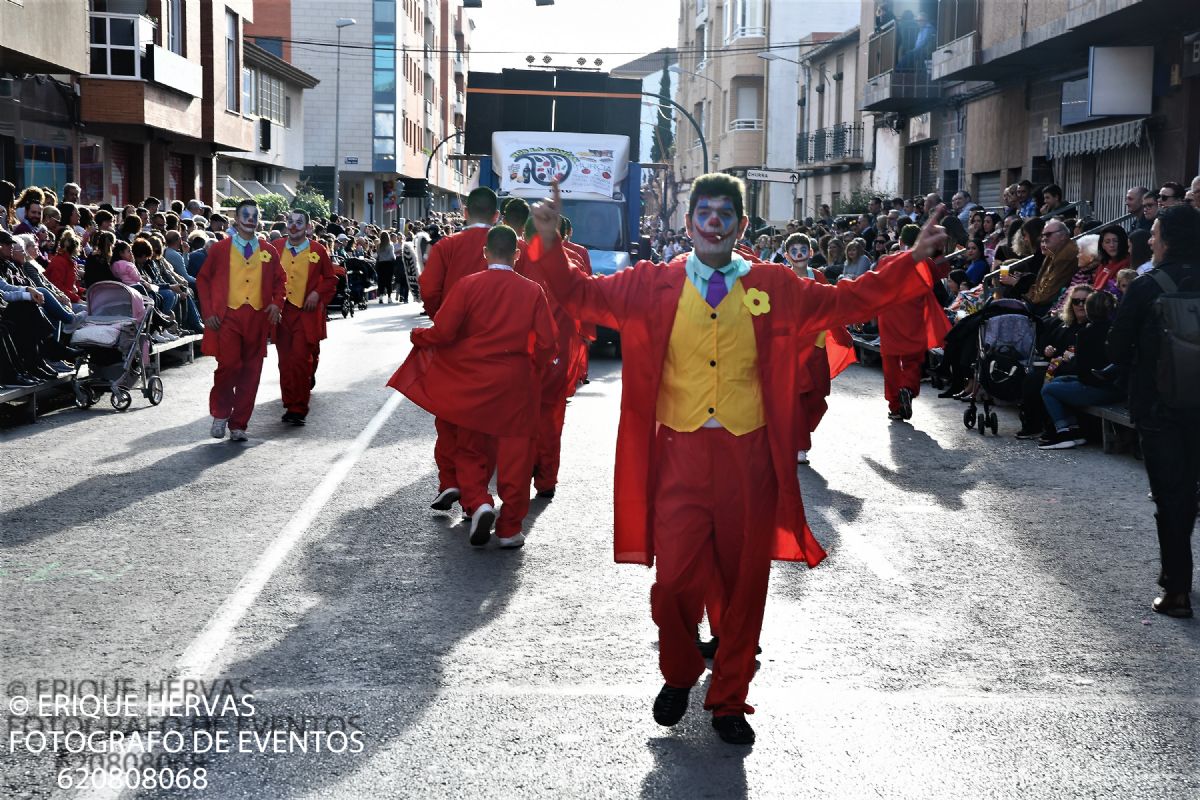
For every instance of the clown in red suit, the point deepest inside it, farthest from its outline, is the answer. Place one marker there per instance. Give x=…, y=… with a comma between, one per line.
x=478, y=369
x=311, y=283
x=450, y=260
x=705, y=480
x=907, y=330
x=242, y=289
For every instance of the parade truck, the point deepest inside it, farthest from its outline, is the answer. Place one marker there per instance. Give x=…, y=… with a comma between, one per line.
x=600, y=187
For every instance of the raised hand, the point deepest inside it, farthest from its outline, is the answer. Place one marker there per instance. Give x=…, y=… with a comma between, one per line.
x=933, y=236
x=547, y=215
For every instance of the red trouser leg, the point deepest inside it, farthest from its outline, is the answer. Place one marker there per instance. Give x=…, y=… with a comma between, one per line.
x=295, y=360
x=548, y=445
x=241, y=344
x=471, y=450
x=514, y=460
x=714, y=606
x=443, y=454
x=901, y=372
x=714, y=509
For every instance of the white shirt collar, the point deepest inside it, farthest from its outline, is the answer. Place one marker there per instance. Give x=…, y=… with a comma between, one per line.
x=500, y=266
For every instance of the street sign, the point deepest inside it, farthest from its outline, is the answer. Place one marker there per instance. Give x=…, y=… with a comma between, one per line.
x=351, y=159
x=773, y=175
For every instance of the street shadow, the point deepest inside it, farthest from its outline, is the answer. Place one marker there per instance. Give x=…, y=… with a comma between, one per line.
x=821, y=497
x=384, y=607
x=924, y=469
x=110, y=493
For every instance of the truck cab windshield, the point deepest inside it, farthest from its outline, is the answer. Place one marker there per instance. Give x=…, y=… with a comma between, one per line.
x=596, y=224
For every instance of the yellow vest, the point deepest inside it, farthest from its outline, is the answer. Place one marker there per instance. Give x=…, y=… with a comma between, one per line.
x=296, y=268
x=711, y=369
x=245, y=279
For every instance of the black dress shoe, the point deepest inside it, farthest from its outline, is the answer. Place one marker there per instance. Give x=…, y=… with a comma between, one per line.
x=445, y=500
x=708, y=649
x=670, y=705
x=951, y=392
x=546, y=494
x=294, y=418
x=733, y=729
x=1174, y=604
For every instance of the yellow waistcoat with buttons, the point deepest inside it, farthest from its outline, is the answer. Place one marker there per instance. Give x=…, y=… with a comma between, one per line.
x=711, y=369
x=245, y=279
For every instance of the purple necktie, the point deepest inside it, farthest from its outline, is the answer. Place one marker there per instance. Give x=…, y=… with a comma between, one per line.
x=248, y=250
x=716, y=289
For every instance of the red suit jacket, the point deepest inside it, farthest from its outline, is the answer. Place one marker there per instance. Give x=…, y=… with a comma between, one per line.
x=641, y=302
x=479, y=366
x=213, y=285
x=913, y=326
x=583, y=261
x=560, y=377
x=450, y=260
x=321, y=279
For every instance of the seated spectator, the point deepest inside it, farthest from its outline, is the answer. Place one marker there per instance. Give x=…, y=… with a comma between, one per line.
x=1052, y=205
x=1141, y=257
x=857, y=263
x=1027, y=205
x=1060, y=263
x=63, y=271
x=98, y=265
x=1171, y=194
x=762, y=247
x=1088, y=264
x=130, y=228
x=835, y=259
x=1065, y=393
x=1114, y=255
x=1124, y=278
x=1056, y=338
x=27, y=255
x=977, y=265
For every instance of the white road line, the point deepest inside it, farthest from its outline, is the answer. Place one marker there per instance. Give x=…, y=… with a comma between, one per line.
x=203, y=656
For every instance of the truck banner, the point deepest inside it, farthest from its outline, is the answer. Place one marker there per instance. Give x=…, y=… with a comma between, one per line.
x=584, y=164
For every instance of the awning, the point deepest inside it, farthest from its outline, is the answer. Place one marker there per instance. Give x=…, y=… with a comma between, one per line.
x=1110, y=137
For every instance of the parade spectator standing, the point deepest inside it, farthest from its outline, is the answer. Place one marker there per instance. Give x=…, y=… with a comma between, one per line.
x=1135, y=198
x=1169, y=429
x=242, y=291
x=477, y=370
x=385, y=266
x=310, y=286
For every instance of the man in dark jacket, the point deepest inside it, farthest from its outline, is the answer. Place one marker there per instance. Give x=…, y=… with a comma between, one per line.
x=1170, y=436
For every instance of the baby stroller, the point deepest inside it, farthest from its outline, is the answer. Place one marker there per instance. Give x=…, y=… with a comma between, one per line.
x=360, y=272
x=342, y=300
x=117, y=347
x=1007, y=340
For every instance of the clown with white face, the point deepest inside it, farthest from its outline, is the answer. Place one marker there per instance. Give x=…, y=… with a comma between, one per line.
x=311, y=283
x=242, y=291
x=797, y=250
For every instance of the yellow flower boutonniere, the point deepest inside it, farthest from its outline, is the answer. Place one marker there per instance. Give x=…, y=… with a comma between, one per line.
x=758, y=301
x=263, y=256
x=313, y=258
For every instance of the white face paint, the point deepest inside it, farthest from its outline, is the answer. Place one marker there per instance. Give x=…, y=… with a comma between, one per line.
x=246, y=222
x=297, y=228
x=798, y=253
x=713, y=226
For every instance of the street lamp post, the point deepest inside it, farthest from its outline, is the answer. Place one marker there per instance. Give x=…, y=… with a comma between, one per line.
x=343, y=22
x=429, y=167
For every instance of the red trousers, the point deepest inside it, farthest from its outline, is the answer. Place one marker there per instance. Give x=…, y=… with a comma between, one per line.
x=241, y=347
x=548, y=444
x=297, y=359
x=812, y=404
x=445, y=456
x=901, y=372
x=714, y=523
x=474, y=456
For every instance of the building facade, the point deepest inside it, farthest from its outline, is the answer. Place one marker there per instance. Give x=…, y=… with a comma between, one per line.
x=403, y=66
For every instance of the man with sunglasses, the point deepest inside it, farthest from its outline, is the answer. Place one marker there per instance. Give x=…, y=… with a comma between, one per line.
x=1060, y=263
x=1170, y=195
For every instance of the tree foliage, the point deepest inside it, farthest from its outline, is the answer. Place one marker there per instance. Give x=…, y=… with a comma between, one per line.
x=663, y=146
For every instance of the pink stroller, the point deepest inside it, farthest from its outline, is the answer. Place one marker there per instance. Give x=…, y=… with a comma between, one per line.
x=117, y=345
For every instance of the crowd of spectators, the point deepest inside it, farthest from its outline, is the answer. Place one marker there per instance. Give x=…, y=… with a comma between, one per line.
x=53, y=247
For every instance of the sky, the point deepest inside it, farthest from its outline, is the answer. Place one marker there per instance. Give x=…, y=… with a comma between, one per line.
x=617, y=31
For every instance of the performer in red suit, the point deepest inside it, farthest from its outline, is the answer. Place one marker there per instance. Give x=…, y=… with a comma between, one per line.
x=450, y=260
x=907, y=330
x=478, y=369
x=705, y=479
x=242, y=289
x=311, y=283
x=587, y=331
x=832, y=352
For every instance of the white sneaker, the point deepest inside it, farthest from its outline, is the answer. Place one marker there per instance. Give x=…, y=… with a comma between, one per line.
x=217, y=431
x=481, y=525
x=517, y=540
x=801, y=456
x=237, y=436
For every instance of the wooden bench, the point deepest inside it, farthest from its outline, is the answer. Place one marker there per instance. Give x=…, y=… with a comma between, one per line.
x=189, y=341
x=29, y=394
x=1116, y=428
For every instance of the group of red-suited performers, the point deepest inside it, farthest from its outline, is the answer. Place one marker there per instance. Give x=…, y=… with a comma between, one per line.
x=495, y=373
x=251, y=291
x=706, y=487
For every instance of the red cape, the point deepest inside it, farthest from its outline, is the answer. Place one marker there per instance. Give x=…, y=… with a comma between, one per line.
x=479, y=366
x=641, y=302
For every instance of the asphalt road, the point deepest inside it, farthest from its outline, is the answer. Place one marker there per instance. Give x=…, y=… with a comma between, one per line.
x=981, y=628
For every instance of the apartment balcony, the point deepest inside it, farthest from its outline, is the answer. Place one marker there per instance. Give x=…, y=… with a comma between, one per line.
x=431, y=10
x=950, y=60
x=460, y=105
x=745, y=124
x=898, y=75
x=460, y=66
x=841, y=144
